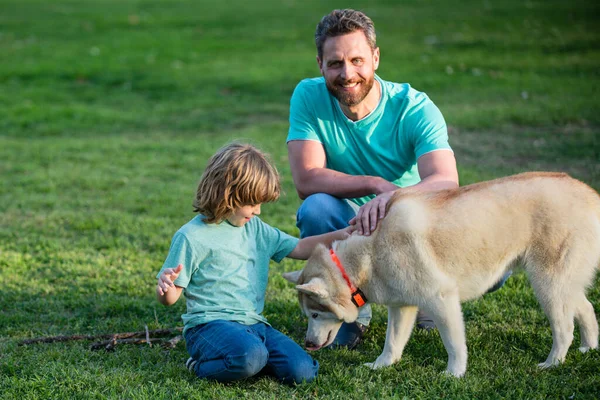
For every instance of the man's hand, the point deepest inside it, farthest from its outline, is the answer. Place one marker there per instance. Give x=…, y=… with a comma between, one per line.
x=369, y=214
x=166, y=279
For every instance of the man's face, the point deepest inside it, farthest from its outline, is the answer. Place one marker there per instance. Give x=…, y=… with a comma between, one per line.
x=349, y=65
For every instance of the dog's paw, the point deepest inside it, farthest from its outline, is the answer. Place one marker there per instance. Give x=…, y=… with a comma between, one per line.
x=374, y=365
x=378, y=364
x=585, y=349
x=455, y=374
x=548, y=364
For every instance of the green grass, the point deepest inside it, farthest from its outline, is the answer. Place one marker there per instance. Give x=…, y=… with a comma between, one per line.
x=110, y=109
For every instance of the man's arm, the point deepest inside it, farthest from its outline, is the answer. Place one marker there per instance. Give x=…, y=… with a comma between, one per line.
x=308, y=165
x=437, y=170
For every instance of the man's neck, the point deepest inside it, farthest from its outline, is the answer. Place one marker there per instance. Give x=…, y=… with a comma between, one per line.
x=366, y=106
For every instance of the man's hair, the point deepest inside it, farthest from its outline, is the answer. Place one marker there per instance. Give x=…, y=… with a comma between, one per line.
x=237, y=175
x=341, y=22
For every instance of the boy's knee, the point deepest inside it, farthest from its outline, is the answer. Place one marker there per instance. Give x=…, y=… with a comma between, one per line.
x=305, y=370
x=249, y=363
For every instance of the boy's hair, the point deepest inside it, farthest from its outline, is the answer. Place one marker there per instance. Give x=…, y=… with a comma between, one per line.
x=342, y=22
x=237, y=175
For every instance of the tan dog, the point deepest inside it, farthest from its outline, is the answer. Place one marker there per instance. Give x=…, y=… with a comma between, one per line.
x=434, y=250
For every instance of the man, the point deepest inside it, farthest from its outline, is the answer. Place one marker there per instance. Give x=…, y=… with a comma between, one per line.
x=354, y=139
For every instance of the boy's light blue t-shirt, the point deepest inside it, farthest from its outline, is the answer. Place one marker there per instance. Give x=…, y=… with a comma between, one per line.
x=386, y=143
x=225, y=268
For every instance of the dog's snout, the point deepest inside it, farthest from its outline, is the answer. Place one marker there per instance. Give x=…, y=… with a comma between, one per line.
x=309, y=345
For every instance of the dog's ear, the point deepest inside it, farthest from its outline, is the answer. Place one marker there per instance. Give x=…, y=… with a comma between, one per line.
x=314, y=288
x=293, y=276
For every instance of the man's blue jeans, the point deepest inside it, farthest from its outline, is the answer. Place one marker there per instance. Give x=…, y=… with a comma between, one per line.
x=227, y=351
x=321, y=213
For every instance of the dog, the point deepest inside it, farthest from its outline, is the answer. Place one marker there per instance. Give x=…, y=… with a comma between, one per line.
x=434, y=250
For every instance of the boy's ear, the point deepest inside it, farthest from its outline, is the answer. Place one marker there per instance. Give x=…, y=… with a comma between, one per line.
x=293, y=276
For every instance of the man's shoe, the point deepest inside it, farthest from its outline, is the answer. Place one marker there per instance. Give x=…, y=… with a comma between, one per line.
x=349, y=336
x=425, y=322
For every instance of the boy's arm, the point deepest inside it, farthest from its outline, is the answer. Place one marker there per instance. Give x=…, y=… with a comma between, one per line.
x=305, y=246
x=167, y=292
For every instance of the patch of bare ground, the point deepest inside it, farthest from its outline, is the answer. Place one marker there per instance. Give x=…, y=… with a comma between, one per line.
x=571, y=149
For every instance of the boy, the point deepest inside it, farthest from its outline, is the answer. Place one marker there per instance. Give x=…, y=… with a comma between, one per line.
x=220, y=261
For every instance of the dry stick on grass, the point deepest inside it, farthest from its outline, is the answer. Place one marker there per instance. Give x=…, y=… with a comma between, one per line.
x=170, y=344
x=109, y=345
x=114, y=338
x=147, y=336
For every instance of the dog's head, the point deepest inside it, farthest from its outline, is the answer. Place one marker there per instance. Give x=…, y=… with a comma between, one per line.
x=324, y=298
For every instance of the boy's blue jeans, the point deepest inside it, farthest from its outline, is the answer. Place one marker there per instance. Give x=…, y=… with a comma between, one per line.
x=321, y=213
x=227, y=351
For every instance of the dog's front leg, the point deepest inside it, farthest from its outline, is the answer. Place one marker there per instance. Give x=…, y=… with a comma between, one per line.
x=447, y=315
x=400, y=324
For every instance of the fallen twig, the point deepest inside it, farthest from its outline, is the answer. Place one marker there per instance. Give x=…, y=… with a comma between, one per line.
x=148, y=336
x=112, y=336
x=109, y=345
x=170, y=344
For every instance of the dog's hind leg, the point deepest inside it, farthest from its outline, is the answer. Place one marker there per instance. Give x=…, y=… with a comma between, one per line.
x=447, y=315
x=561, y=322
x=560, y=310
x=588, y=325
x=400, y=324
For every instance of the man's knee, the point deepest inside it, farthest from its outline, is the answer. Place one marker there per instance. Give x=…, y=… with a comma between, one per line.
x=315, y=206
x=321, y=213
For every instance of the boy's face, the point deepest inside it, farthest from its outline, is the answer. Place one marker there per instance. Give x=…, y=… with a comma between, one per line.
x=242, y=215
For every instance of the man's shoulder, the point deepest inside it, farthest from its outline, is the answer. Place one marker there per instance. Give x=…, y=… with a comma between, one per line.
x=311, y=85
x=310, y=98
x=402, y=91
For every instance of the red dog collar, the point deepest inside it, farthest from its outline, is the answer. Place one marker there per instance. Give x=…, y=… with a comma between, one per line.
x=358, y=297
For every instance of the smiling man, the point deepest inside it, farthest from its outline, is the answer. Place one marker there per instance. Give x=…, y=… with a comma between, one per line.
x=355, y=138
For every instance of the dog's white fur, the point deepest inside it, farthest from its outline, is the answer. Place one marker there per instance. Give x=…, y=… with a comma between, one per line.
x=434, y=250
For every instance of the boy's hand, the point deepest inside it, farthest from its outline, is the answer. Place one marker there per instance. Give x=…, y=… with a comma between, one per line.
x=165, y=280
x=351, y=228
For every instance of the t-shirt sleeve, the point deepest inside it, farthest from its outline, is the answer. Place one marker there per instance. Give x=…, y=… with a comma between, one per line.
x=302, y=119
x=279, y=243
x=180, y=252
x=426, y=127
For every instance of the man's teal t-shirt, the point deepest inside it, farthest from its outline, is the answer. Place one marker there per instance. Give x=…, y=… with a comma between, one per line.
x=225, y=268
x=386, y=143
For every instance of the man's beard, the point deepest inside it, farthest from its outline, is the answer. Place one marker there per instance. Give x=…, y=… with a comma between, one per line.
x=350, y=99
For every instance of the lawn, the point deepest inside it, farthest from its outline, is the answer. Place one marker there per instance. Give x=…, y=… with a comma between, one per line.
x=110, y=109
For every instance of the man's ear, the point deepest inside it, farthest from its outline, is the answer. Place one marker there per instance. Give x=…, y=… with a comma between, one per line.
x=314, y=288
x=320, y=63
x=293, y=276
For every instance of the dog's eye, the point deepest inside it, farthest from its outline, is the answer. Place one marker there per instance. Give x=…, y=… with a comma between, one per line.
x=315, y=315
